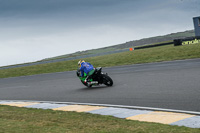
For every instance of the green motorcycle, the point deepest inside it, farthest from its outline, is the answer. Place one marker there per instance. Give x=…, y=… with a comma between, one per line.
x=97, y=78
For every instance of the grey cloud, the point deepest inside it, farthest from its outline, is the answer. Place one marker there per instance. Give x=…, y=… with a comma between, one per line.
x=84, y=24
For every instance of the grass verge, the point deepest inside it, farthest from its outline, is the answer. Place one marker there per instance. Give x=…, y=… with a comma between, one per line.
x=24, y=120
x=156, y=54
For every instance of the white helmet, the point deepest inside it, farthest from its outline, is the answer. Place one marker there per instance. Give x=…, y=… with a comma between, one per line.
x=79, y=62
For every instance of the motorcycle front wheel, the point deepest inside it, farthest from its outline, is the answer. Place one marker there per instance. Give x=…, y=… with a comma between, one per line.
x=107, y=80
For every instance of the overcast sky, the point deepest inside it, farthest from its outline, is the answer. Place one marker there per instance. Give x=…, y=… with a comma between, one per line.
x=31, y=30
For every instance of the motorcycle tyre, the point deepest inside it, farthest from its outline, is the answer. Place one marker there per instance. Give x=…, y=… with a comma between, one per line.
x=107, y=80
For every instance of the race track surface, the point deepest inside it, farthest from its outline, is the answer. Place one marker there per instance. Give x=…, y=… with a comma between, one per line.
x=169, y=85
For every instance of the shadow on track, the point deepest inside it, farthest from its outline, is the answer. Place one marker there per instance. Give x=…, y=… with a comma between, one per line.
x=93, y=88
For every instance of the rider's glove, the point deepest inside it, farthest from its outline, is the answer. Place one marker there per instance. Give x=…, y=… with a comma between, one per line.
x=78, y=73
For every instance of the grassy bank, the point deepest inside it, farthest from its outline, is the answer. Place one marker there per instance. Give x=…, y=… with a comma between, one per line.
x=156, y=54
x=24, y=120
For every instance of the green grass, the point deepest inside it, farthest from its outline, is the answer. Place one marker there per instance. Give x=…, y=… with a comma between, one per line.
x=156, y=54
x=24, y=120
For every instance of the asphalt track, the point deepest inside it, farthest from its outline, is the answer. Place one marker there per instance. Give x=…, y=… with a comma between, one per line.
x=169, y=85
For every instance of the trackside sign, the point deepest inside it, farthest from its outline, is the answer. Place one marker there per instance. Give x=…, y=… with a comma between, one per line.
x=191, y=42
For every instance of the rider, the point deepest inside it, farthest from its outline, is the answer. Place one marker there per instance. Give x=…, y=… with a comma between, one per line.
x=86, y=67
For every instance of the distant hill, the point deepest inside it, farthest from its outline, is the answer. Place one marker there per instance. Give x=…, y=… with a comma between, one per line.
x=134, y=43
x=157, y=39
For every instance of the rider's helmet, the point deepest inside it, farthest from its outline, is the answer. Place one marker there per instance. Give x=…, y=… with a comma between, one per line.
x=79, y=62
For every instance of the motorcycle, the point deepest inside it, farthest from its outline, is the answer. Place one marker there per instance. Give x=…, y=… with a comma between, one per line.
x=97, y=78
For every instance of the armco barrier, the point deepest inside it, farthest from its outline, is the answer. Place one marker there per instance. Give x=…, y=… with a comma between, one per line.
x=155, y=45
